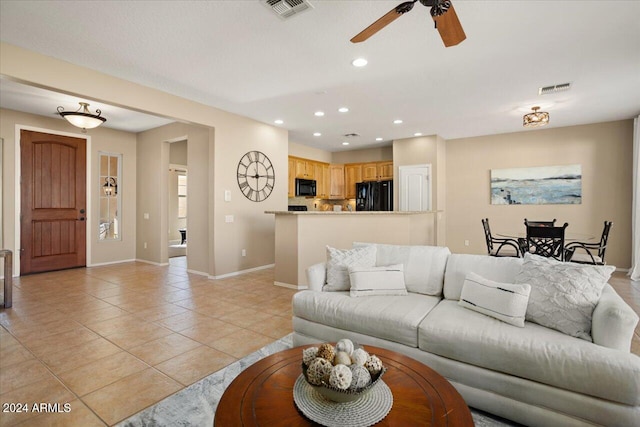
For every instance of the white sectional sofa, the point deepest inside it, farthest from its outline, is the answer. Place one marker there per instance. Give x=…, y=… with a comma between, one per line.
x=533, y=375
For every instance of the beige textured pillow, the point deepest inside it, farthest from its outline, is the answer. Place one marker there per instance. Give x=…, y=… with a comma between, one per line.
x=339, y=261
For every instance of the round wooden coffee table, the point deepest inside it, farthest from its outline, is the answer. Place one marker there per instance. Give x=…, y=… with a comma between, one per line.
x=262, y=395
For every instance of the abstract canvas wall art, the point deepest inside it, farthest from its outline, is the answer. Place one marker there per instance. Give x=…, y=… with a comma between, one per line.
x=546, y=185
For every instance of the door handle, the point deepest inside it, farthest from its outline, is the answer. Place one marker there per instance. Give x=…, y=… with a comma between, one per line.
x=81, y=211
x=81, y=218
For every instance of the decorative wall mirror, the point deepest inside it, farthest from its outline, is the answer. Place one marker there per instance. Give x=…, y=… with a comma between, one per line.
x=110, y=191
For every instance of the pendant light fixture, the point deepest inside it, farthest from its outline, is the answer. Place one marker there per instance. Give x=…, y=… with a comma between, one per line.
x=535, y=119
x=83, y=118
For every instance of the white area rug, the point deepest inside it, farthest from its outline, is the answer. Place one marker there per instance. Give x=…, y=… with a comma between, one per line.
x=196, y=405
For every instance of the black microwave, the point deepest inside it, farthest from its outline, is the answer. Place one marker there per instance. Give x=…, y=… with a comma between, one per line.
x=305, y=187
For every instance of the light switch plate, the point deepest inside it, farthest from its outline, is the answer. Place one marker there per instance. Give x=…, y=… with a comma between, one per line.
x=228, y=218
x=227, y=195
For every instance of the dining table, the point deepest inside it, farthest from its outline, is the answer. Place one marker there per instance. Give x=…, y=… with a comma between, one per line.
x=569, y=236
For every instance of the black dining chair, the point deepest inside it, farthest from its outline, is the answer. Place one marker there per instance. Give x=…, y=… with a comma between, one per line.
x=540, y=223
x=546, y=241
x=499, y=247
x=589, y=253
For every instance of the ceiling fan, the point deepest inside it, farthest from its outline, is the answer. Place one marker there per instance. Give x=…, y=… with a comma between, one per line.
x=442, y=12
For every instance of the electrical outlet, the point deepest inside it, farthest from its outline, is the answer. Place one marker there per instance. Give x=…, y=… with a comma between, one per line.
x=466, y=243
x=244, y=252
x=228, y=218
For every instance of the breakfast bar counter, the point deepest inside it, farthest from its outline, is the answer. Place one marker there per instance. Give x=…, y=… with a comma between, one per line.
x=302, y=236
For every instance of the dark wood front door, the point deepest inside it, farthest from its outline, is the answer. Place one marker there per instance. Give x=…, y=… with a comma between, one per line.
x=53, y=202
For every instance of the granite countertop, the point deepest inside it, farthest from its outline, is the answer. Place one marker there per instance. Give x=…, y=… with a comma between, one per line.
x=348, y=212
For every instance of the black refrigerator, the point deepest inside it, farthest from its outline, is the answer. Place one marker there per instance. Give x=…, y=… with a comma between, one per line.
x=374, y=196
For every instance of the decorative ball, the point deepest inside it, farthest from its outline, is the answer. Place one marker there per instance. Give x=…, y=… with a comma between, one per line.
x=359, y=357
x=319, y=371
x=360, y=377
x=340, y=377
x=327, y=352
x=308, y=354
x=345, y=345
x=342, y=358
x=373, y=364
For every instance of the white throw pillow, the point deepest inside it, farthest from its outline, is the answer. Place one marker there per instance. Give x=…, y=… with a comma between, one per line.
x=385, y=280
x=503, y=301
x=339, y=261
x=563, y=294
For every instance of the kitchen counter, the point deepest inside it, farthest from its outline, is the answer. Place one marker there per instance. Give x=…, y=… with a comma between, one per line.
x=303, y=236
x=348, y=212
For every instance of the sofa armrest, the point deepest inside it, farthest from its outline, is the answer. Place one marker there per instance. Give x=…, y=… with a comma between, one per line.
x=317, y=276
x=613, y=321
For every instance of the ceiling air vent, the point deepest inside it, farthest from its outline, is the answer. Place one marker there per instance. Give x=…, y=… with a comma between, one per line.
x=554, y=88
x=350, y=135
x=285, y=9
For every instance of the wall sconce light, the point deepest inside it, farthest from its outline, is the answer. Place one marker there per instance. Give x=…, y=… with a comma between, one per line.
x=83, y=119
x=110, y=186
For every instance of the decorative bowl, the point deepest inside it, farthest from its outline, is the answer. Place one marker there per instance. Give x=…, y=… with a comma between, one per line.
x=342, y=396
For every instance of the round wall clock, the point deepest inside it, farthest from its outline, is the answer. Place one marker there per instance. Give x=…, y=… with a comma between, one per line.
x=256, y=176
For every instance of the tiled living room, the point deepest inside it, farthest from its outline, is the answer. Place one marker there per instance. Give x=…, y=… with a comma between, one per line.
x=304, y=114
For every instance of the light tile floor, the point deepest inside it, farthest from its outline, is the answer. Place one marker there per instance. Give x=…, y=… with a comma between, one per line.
x=113, y=340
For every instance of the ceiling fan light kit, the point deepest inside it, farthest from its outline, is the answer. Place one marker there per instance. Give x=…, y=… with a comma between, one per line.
x=535, y=119
x=82, y=117
x=443, y=14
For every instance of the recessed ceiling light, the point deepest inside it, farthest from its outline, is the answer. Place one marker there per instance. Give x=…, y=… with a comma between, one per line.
x=345, y=143
x=317, y=134
x=417, y=134
x=319, y=113
x=378, y=139
x=343, y=109
x=359, y=62
x=278, y=122
x=397, y=122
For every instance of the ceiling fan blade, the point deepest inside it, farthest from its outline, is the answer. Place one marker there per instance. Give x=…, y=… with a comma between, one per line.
x=449, y=27
x=385, y=20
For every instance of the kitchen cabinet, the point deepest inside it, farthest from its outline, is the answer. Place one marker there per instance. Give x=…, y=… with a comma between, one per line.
x=304, y=168
x=292, y=178
x=336, y=181
x=352, y=175
x=377, y=171
x=322, y=177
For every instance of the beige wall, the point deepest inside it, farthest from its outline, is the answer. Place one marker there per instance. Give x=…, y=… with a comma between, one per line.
x=311, y=153
x=101, y=139
x=233, y=137
x=605, y=152
x=364, y=155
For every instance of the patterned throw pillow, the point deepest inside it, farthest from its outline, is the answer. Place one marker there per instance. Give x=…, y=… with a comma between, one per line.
x=563, y=294
x=503, y=301
x=339, y=261
x=372, y=281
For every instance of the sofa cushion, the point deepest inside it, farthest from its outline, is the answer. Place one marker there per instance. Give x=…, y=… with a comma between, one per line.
x=339, y=261
x=533, y=352
x=423, y=265
x=498, y=269
x=563, y=294
x=393, y=318
x=503, y=301
x=387, y=280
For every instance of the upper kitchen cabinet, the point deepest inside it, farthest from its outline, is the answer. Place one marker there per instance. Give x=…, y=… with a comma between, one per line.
x=352, y=175
x=377, y=171
x=336, y=180
x=322, y=177
x=292, y=178
x=304, y=168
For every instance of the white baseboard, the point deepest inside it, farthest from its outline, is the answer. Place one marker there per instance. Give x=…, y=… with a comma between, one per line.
x=238, y=273
x=199, y=273
x=159, y=264
x=290, y=286
x=99, y=264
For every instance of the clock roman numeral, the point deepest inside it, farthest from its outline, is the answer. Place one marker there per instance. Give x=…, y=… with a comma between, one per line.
x=243, y=185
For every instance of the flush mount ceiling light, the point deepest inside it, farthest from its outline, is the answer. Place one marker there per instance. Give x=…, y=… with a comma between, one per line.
x=359, y=62
x=378, y=139
x=345, y=143
x=417, y=134
x=397, y=122
x=317, y=134
x=83, y=118
x=535, y=119
x=343, y=109
x=319, y=113
x=278, y=122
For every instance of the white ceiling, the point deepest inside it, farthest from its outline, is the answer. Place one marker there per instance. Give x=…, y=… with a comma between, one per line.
x=238, y=56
